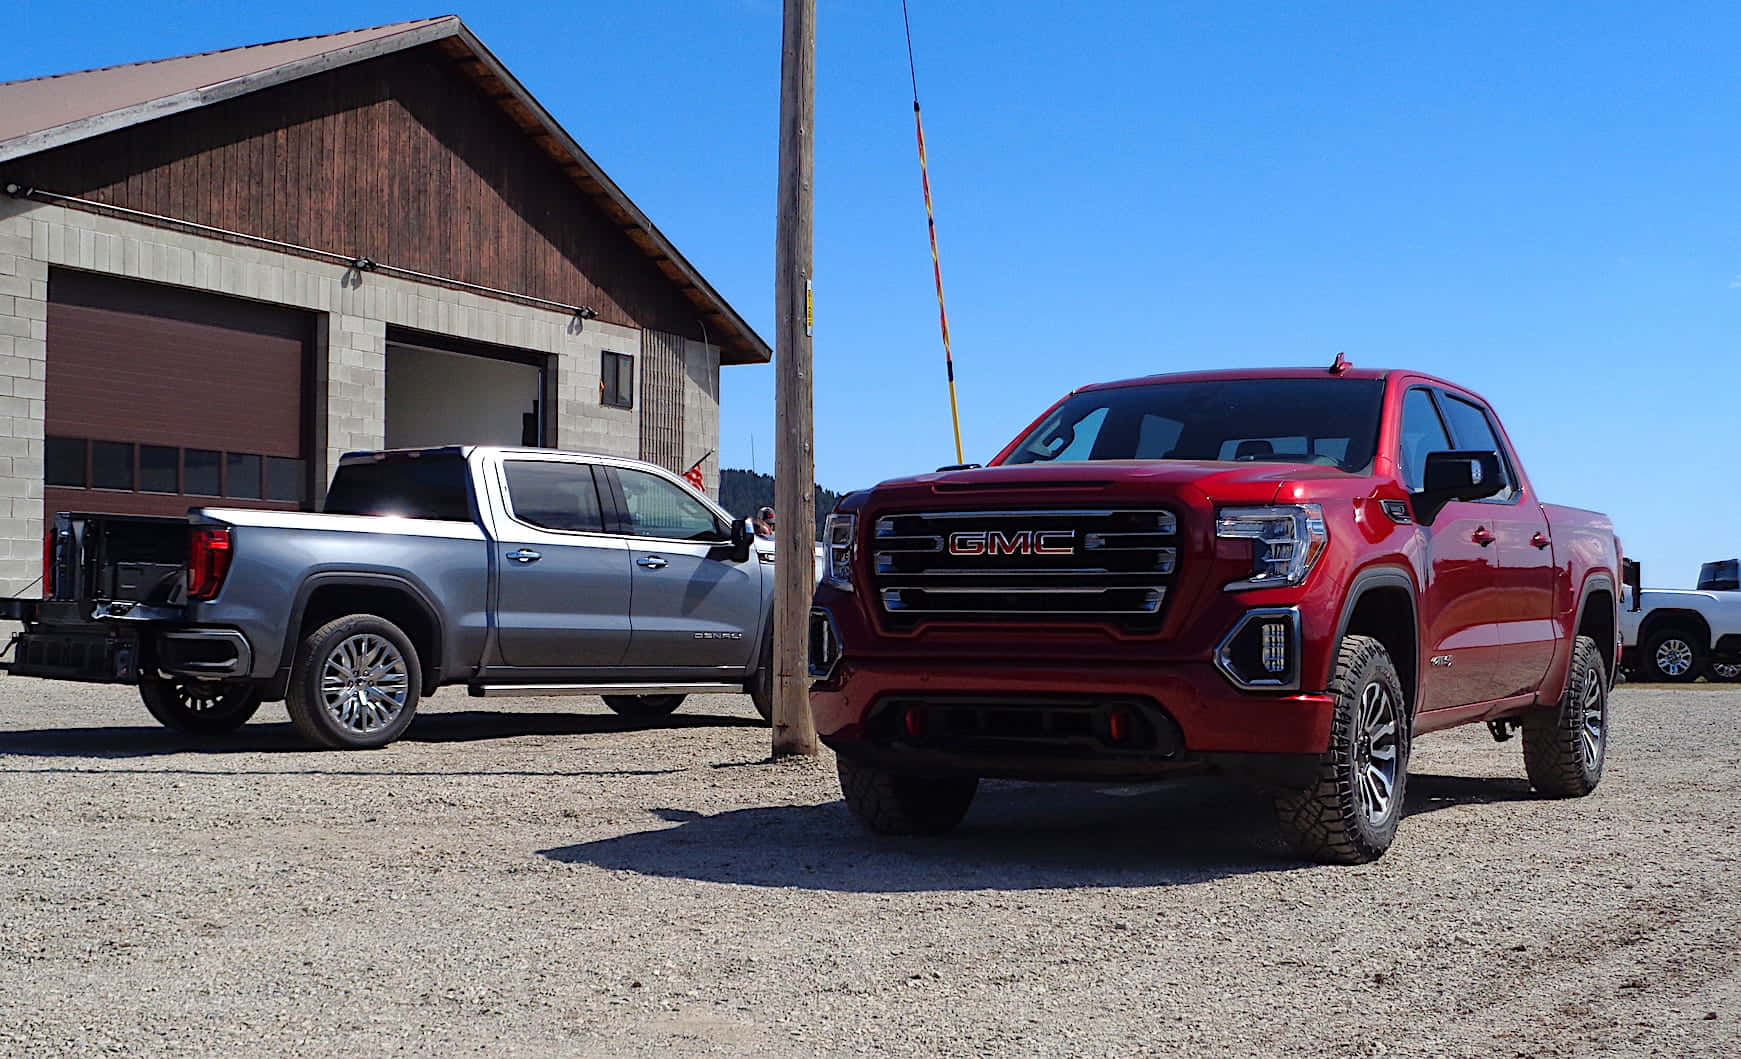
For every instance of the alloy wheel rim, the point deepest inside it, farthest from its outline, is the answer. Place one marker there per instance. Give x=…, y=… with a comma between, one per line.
x=364, y=683
x=1376, y=748
x=1726, y=671
x=1595, y=720
x=1674, y=657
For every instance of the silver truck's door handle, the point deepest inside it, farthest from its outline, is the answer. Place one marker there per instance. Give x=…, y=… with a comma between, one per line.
x=525, y=555
x=651, y=562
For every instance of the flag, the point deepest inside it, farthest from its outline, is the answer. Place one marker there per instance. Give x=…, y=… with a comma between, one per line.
x=694, y=476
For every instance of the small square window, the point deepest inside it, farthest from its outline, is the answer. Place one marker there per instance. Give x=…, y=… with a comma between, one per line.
x=242, y=475
x=284, y=479
x=159, y=469
x=202, y=472
x=111, y=465
x=616, y=384
x=64, y=462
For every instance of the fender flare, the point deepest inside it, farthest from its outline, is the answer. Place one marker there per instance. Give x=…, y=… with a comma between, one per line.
x=358, y=579
x=1385, y=575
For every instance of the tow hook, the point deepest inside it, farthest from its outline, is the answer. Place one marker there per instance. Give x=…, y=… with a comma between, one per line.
x=1503, y=730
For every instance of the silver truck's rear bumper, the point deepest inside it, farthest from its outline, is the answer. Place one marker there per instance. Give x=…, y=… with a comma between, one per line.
x=125, y=651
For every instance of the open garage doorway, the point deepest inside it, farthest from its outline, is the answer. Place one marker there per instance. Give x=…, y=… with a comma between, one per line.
x=448, y=397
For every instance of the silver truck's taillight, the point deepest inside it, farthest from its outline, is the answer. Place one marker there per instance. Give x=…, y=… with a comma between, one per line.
x=837, y=537
x=1286, y=541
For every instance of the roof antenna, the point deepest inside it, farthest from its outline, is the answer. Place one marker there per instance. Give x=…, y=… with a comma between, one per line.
x=1341, y=364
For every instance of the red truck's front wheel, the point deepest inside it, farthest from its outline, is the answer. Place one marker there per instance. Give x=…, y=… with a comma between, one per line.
x=1350, y=812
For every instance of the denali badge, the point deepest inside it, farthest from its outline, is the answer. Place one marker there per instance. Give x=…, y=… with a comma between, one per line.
x=719, y=636
x=1021, y=542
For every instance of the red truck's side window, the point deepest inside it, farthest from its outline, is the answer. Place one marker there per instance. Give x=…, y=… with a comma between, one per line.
x=1422, y=432
x=1469, y=422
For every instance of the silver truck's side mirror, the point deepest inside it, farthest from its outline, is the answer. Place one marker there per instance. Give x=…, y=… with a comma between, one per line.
x=743, y=532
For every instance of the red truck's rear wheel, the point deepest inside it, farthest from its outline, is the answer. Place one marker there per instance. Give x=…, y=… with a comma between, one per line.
x=199, y=707
x=1349, y=815
x=1564, y=746
x=895, y=803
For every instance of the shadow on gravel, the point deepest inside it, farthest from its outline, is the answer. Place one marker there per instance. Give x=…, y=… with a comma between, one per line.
x=1017, y=836
x=1428, y=792
x=449, y=727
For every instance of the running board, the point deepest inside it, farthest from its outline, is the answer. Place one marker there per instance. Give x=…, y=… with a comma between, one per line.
x=490, y=691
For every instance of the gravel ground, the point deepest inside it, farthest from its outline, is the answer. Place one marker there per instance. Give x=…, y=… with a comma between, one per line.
x=535, y=878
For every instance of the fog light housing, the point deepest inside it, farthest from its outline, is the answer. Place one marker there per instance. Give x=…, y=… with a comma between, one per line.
x=824, y=644
x=1262, y=652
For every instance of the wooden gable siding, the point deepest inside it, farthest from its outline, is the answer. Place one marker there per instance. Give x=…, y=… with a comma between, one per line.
x=399, y=159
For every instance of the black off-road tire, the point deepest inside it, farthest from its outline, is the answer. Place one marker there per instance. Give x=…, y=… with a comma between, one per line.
x=1648, y=662
x=198, y=707
x=893, y=803
x=644, y=707
x=1564, y=746
x=306, y=702
x=1332, y=820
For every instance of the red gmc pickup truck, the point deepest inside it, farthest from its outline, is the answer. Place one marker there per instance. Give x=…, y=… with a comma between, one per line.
x=1281, y=575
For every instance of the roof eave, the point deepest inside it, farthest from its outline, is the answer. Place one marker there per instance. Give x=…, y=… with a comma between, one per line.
x=126, y=117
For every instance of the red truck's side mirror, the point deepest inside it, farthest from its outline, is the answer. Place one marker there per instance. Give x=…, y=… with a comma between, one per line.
x=1457, y=475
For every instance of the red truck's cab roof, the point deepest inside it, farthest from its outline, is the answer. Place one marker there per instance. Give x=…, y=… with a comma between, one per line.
x=1246, y=373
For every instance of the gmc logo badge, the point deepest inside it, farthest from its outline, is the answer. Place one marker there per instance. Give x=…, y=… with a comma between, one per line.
x=1021, y=542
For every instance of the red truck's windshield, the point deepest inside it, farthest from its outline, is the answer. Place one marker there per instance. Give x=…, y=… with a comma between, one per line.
x=1328, y=422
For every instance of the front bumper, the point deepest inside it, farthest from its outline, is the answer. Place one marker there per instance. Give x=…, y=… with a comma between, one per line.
x=1190, y=718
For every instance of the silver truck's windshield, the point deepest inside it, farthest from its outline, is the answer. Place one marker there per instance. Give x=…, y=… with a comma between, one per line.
x=1328, y=422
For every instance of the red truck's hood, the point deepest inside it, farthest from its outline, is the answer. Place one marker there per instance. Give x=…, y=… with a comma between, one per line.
x=1254, y=483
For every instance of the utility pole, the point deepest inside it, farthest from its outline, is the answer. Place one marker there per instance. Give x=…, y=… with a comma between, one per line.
x=795, y=459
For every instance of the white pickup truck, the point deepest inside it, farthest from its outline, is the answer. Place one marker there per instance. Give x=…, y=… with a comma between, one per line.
x=1676, y=636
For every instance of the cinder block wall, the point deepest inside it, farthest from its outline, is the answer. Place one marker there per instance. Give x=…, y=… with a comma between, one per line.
x=353, y=313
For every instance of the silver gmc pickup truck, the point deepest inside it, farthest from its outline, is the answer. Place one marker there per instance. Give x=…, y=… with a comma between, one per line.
x=511, y=571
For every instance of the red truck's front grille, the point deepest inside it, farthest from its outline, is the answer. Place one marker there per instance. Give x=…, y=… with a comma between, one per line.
x=1061, y=565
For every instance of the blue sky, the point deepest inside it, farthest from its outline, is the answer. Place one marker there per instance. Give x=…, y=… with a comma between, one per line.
x=1536, y=200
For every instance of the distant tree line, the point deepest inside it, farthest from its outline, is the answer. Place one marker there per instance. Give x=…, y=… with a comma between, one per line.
x=744, y=492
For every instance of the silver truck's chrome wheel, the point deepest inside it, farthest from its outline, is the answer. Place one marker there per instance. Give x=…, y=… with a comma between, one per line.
x=1674, y=657
x=1595, y=721
x=364, y=683
x=1375, y=762
x=1726, y=671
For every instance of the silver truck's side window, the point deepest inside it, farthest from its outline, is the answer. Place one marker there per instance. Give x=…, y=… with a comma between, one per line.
x=659, y=509
x=557, y=496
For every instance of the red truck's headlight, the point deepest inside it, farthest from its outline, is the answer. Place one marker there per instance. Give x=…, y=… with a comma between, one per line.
x=1286, y=541
x=837, y=537
x=208, y=562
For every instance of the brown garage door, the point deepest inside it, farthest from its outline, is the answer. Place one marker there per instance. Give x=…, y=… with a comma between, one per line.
x=159, y=399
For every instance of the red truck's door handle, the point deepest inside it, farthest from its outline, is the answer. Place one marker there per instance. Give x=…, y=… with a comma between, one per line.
x=1541, y=540
x=1482, y=536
